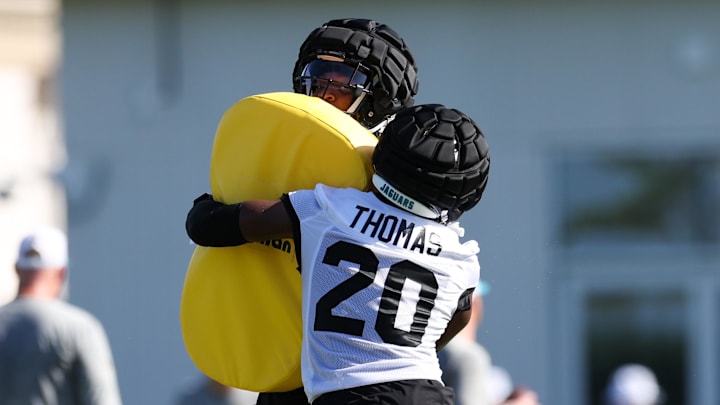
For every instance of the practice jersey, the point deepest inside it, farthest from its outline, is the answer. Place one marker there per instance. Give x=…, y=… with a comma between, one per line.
x=379, y=287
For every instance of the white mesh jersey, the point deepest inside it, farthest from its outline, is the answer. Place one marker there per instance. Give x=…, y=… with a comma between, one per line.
x=379, y=287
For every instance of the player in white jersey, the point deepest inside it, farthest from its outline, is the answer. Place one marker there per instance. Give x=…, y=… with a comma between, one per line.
x=386, y=279
x=360, y=66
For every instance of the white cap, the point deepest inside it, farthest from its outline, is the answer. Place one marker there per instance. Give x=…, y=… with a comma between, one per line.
x=633, y=384
x=44, y=248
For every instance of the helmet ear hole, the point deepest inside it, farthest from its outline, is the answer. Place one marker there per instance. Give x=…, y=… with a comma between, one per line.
x=435, y=155
x=377, y=47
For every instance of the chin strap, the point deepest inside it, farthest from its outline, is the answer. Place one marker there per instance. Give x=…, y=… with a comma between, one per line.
x=378, y=129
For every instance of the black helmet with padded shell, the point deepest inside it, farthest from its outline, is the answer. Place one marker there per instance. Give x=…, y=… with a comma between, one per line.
x=434, y=155
x=393, y=81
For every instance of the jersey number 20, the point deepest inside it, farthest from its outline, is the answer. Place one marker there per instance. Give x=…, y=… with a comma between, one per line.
x=389, y=303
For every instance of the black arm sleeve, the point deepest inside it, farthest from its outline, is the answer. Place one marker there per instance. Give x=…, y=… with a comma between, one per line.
x=212, y=223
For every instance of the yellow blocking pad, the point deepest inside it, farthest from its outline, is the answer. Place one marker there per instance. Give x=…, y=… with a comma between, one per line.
x=240, y=309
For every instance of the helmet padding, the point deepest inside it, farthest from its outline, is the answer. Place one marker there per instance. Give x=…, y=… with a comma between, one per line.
x=378, y=48
x=436, y=155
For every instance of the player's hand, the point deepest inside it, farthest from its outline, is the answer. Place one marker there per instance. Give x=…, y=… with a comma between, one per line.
x=522, y=396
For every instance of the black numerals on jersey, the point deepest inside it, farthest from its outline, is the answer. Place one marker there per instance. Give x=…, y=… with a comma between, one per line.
x=389, y=303
x=324, y=319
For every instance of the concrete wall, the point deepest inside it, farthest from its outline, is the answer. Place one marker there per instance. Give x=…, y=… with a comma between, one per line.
x=142, y=94
x=31, y=147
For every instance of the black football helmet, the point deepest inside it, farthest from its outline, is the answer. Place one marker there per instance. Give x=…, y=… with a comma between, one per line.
x=436, y=156
x=373, y=61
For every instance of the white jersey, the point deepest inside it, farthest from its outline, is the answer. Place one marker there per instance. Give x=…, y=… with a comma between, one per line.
x=379, y=287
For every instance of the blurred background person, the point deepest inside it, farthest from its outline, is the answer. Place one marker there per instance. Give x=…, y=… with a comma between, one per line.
x=633, y=384
x=51, y=352
x=468, y=368
x=504, y=392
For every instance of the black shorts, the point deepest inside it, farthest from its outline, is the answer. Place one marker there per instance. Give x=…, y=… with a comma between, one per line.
x=294, y=397
x=406, y=392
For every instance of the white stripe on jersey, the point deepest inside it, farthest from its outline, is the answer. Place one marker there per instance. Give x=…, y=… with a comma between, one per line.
x=379, y=287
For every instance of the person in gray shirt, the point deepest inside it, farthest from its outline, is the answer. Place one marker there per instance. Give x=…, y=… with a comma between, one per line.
x=467, y=367
x=51, y=352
